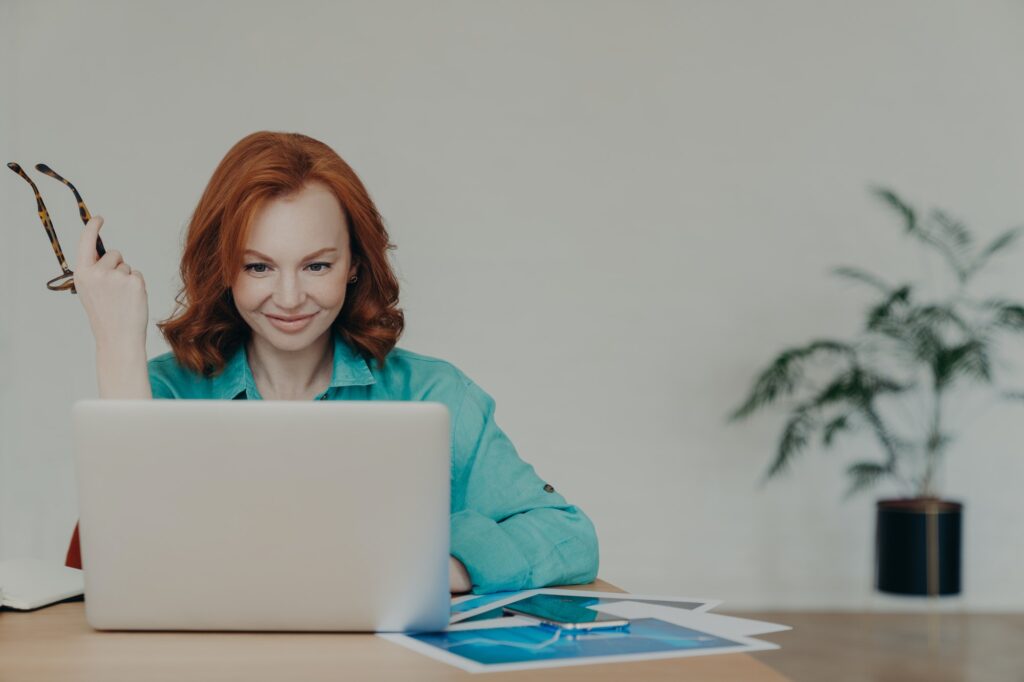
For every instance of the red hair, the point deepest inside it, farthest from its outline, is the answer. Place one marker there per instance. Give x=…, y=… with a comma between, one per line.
x=205, y=328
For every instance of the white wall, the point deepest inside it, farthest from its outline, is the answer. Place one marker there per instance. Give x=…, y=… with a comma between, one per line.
x=609, y=214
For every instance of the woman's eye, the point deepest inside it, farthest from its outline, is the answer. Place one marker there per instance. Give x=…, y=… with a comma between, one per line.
x=262, y=267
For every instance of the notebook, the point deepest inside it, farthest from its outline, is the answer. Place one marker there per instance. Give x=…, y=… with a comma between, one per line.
x=30, y=583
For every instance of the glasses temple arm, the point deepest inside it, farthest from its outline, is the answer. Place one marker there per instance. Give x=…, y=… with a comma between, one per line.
x=83, y=211
x=44, y=216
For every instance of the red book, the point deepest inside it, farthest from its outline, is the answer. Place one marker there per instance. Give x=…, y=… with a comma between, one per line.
x=74, y=559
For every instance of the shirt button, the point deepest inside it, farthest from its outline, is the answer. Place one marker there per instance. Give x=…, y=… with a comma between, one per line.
x=548, y=488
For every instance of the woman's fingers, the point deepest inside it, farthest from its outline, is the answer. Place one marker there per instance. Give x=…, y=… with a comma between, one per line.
x=111, y=260
x=87, y=243
x=115, y=304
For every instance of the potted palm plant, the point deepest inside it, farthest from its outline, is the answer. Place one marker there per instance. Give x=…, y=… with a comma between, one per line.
x=914, y=349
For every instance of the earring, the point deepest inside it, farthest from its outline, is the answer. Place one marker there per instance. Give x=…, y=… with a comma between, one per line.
x=354, y=279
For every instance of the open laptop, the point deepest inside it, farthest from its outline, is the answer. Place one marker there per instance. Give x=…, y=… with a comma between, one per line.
x=268, y=515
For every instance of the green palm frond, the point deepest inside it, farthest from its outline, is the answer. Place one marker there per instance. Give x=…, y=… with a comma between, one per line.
x=785, y=373
x=969, y=359
x=857, y=386
x=925, y=342
x=890, y=444
x=833, y=428
x=863, y=276
x=953, y=231
x=908, y=213
x=995, y=246
x=937, y=316
x=886, y=317
x=795, y=437
x=1007, y=315
x=864, y=475
x=950, y=239
x=946, y=235
x=856, y=389
x=925, y=331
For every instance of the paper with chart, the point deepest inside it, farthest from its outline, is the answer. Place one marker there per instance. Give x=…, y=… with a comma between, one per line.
x=481, y=639
x=474, y=605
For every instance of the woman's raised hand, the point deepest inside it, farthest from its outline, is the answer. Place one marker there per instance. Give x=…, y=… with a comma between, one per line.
x=112, y=293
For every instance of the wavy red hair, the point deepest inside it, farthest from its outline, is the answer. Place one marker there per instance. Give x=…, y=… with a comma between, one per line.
x=205, y=328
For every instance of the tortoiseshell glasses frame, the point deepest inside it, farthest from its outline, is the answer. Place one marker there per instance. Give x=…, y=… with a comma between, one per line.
x=64, y=281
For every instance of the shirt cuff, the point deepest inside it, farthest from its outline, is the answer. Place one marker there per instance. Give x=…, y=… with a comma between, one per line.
x=491, y=557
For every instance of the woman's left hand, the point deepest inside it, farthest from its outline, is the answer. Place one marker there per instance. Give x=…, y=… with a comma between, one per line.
x=458, y=578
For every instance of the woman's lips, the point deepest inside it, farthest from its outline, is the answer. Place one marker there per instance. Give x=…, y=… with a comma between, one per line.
x=290, y=325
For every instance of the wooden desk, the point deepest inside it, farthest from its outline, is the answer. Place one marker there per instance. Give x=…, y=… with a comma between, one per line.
x=55, y=643
x=882, y=647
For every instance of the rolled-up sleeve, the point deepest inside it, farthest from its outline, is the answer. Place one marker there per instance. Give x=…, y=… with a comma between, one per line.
x=510, y=528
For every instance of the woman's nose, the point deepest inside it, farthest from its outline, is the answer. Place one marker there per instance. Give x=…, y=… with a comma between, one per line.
x=289, y=293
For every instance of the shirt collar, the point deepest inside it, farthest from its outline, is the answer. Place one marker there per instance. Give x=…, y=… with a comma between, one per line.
x=350, y=369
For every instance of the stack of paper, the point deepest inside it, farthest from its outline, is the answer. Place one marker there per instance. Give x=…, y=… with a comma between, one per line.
x=480, y=638
x=31, y=583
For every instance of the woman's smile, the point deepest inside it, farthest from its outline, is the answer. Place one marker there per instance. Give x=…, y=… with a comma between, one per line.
x=290, y=324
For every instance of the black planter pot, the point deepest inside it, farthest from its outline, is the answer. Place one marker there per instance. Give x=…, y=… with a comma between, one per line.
x=917, y=546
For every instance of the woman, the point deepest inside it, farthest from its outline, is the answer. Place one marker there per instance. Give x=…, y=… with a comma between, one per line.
x=288, y=294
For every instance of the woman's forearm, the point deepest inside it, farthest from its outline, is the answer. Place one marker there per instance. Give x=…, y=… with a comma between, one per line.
x=458, y=579
x=123, y=373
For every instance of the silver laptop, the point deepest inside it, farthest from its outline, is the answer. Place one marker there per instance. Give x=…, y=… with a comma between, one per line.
x=264, y=515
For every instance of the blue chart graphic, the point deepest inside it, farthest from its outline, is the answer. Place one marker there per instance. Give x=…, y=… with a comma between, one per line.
x=538, y=643
x=476, y=602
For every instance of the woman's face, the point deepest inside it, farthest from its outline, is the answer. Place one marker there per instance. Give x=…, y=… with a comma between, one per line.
x=295, y=268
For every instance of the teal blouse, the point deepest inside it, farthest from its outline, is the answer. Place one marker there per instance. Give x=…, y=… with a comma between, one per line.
x=509, y=527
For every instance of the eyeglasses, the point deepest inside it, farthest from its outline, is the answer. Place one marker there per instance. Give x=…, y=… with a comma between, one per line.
x=64, y=281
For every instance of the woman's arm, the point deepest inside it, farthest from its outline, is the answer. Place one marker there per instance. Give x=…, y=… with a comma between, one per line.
x=510, y=528
x=114, y=298
x=123, y=373
x=458, y=578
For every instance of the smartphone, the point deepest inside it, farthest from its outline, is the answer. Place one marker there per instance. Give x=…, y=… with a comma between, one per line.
x=569, y=613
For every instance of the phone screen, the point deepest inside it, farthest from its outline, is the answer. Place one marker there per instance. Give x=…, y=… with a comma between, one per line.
x=565, y=611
